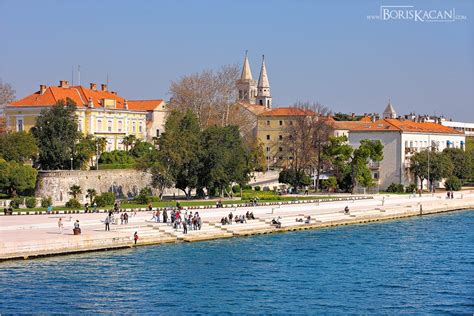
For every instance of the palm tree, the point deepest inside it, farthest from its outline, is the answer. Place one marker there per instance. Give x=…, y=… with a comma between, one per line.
x=128, y=141
x=75, y=190
x=91, y=194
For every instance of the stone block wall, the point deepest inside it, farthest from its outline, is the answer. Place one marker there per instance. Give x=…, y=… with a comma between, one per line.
x=124, y=183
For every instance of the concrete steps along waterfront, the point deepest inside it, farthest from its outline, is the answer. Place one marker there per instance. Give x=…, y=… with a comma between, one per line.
x=33, y=236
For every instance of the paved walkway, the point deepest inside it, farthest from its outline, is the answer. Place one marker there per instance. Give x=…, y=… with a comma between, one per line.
x=30, y=235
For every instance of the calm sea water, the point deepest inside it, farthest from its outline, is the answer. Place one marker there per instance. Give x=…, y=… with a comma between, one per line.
x=421, y=265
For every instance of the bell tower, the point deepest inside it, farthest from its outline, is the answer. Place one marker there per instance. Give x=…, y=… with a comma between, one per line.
x=263, y=88
x=246, y=86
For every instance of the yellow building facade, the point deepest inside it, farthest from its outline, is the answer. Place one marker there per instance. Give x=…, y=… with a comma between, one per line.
x=99, y=112
x=272, y=131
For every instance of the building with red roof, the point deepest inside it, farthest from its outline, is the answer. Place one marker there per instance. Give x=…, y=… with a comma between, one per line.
x=99, y=112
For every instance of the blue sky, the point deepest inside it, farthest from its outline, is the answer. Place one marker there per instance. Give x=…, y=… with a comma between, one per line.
x=326, y=51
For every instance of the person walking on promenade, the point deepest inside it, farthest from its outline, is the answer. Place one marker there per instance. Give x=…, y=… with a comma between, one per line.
x=122, y=218
x=60, y=225
x=107, y=223
x=165, y=216
x=135, y=237
x=125, y=217
x=185, y=227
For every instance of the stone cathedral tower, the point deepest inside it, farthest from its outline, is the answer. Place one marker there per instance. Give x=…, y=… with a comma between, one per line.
x=246, y=86
x=249, y=90
x=263, y=88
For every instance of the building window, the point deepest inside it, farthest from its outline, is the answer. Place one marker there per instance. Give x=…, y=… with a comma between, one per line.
x=119, y=126
x=281, y=123
x=19, y=125
x=140, y=127
x=109, y=126
x=281, y=158
x=268, y=149
x=280, y=137
x=134, y=127
x=268, y=123
x=268, y=137
x=280, y=148
x=376, y=175
x=268, y=157
x=99, y=126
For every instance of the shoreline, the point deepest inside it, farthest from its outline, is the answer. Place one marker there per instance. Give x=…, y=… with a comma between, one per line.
x=152, y=233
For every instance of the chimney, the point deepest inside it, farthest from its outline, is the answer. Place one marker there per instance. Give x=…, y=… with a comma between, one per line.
x=91, y=103
x=42, y=89
x=373, y=118
x=125, y=104
x=64, y=84
x=103, y=87
x=93, y=86
x=113, y=92
x=353, y=115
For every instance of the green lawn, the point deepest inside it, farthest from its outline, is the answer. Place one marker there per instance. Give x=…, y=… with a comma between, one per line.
x=171, y=203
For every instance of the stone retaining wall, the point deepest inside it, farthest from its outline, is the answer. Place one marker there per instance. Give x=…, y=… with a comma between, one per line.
x=124, y=183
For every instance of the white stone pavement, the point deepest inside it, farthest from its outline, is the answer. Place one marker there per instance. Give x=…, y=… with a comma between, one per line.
x=30, y=235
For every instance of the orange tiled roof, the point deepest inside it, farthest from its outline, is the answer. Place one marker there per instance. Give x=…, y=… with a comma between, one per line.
x=144, y=105
x=288, y=111
x=394, y=125
x=78, y=94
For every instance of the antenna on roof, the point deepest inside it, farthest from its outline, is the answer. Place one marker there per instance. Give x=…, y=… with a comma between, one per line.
x=72, y=75
x=79, y=74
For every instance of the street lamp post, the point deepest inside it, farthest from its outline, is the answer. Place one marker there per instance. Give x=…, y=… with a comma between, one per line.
x=71, y=162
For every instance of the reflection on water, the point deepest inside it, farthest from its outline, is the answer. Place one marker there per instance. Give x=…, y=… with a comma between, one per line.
x=423, y=265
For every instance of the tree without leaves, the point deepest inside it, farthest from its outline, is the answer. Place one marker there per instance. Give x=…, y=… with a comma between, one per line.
x=211, y=96
x=7, y=94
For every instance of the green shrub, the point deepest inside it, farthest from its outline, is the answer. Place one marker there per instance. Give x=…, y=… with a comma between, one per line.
x=144, y=197
x=257, y=188
x=73, y=203
x=453, y=184
x=247, y=187
x=116, y=157
x=46, y=201
x=30, y=202
x=329, y=184
x=16, y=202
x=106, y=198
x=236, y=188
x=396, y=188
x=410, y=188
x=266, y=188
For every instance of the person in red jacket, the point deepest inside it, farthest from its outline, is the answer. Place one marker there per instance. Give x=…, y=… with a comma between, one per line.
x=135, y=237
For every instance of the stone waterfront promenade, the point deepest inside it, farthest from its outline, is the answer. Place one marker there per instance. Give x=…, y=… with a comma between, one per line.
x=27, y=236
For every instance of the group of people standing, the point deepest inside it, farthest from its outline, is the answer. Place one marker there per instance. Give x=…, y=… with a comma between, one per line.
x=110, y=219
x=179, y=220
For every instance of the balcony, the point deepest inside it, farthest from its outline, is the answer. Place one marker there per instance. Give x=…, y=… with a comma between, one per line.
x=374, y=164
